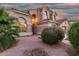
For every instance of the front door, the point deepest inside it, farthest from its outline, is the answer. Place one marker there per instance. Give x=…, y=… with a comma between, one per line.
x=34, y=24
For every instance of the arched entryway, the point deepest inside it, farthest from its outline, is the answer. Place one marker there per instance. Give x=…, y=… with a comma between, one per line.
x=34, y=23
x=22, y=24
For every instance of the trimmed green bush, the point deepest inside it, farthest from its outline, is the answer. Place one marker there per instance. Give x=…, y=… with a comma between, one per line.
x=52, y=35
x=8, y=30
x=73, y=35
x=6, y=42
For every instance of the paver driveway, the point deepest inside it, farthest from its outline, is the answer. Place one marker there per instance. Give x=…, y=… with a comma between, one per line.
x=26, y=43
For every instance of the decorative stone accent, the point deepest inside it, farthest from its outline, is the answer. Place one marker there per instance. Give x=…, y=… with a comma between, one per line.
x=36, y=52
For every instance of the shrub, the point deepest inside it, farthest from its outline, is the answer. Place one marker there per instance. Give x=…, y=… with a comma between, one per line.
x=73, y=35
x=8, y=30
x=52, y=35
x=5, y=43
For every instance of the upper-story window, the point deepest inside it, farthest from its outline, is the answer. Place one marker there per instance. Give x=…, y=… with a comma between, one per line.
x=45, y=15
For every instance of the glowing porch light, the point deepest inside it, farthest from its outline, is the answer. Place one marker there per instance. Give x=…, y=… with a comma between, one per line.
x=35, y=21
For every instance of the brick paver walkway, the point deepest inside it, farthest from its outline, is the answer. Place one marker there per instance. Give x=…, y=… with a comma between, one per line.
x=26, y=43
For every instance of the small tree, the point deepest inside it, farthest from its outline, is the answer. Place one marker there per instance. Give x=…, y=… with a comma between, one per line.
x=8, y=29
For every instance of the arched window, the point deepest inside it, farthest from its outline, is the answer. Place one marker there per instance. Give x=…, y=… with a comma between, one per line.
x=23, y=20
x=45, y=14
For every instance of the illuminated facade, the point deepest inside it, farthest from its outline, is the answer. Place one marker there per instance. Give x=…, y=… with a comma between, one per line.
x=32, y=21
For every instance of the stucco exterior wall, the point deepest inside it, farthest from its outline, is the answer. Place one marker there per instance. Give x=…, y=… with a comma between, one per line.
x=21, y=17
